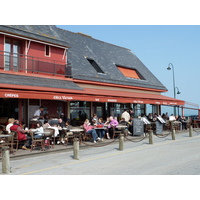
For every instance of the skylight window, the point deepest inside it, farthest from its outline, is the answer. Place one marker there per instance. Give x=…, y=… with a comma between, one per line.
x=130, y=73
x=95, y=65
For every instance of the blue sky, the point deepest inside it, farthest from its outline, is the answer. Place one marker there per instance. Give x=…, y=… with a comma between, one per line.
x=157, y=46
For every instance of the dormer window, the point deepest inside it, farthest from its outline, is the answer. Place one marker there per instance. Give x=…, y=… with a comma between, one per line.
x=95, y=65
x=130, y=73
x=47, y=50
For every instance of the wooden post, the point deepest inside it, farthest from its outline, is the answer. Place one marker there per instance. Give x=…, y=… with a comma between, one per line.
x=150, y=137
x=5, y=160
x=190, y=131
x=173, y=134
x=121, y=142
x=76, y=148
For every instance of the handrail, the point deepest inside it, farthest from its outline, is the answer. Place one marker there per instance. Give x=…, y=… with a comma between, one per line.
x=27, y=64
x=33, y=57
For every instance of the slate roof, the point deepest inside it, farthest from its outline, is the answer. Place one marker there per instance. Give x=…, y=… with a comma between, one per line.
x=37, y=81
x=45, y=33
x=107, y=56
x=104, y=54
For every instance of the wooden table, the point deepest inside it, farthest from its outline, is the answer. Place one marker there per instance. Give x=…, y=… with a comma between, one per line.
x=5, y=142
x=77, y=133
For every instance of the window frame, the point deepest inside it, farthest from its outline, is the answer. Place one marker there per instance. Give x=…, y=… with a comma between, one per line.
x=95, y=65
x=49, y=50
x=140, y=77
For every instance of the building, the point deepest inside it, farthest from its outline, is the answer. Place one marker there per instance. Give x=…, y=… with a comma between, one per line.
x=72, y=73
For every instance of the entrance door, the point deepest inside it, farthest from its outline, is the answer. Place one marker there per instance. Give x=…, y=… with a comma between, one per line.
x=11, y=55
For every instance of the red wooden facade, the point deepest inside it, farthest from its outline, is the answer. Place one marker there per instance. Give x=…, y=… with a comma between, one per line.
x=27, y=56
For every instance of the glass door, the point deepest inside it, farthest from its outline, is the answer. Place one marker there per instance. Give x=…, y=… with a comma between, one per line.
x=11, y=55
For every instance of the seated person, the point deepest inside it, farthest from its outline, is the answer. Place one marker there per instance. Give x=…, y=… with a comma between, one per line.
x=39, y=129
x=62, y=133
x=21, y=134
x=107, y=124
x=130, y=128
x=100, y=132
x=113, y=124
x=89, y=130
x=10, y=123
x=94, y=120
x=46, y=118
x=172, y=118
x=53, y=126
x=125, y=123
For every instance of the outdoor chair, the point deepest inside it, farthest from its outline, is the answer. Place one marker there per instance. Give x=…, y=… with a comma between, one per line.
x=117, y=131
x=49, y=137
x=15, y=139
x=37, y=142
x=86, y=136
x=8, y=141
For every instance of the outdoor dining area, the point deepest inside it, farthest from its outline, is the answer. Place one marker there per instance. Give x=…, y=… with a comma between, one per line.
x=59, y=135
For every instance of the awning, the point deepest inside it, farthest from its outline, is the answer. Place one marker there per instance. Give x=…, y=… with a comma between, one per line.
x=133, y=97
x=94, y=95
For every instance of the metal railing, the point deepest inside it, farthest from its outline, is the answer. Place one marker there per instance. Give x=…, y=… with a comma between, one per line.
x=33, y=65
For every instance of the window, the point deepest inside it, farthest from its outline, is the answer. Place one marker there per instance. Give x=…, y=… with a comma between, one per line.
x=12, y=49
x=95, y=65
x=47, y=50
x=130, y=73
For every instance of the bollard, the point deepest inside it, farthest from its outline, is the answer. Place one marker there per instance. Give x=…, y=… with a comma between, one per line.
x=76, y=149
x=190, y=131
x=5, y=160
x=173, y=134
x=150, y=137
x=121, y=142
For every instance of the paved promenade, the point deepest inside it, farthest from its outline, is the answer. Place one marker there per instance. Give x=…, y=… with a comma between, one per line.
x=164, y=157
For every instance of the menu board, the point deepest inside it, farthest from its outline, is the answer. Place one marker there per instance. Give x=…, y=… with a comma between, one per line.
x=161, y=120
x=159, y=127
x=138, y=127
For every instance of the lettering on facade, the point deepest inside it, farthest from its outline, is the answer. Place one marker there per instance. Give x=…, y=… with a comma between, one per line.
x=112, y=100
x=138, y=102
x=11, y=95
x=62, y=97
x=173, y=103
x=97, y=99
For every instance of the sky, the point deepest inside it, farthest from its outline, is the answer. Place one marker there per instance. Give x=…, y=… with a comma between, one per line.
x=157, y=32
x=157, y=46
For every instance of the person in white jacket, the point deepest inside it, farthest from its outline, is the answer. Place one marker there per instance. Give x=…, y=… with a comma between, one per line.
x=126, y=115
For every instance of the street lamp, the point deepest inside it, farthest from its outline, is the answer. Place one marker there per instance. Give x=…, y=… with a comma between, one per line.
x=178, y=92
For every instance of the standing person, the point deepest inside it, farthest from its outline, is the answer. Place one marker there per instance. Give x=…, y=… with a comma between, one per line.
x=21, y=134
x=39, y=113
x=101, y=132
x=126, y=115
x=131, y=112
x=89, y=130
x=130, y=128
